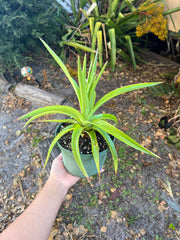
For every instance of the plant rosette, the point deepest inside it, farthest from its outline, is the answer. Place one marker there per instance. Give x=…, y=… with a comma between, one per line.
x=86, y=121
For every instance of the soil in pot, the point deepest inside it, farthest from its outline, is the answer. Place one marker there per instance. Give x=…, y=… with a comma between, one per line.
x=84, y=142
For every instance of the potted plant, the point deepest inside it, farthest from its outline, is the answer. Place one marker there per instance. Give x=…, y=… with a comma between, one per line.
x=85, y=124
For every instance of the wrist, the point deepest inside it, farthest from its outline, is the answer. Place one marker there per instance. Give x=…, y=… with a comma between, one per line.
x=57, y=185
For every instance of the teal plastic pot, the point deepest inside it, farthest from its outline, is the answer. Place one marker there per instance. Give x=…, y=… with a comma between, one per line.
x=87, y=159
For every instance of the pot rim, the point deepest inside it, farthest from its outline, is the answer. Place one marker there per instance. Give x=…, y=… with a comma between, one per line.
x=85, y=154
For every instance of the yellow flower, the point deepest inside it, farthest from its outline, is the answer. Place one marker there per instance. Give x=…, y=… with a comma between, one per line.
x=154, y=21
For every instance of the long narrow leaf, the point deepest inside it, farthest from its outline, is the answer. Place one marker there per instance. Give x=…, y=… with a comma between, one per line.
x=111, y=24
x=123, y=55
x=92, y=72
x=105, y=116
x=112, y=37
x=79, y=46
x=119, y=91
x=96, y=11
x=88, y=12
x=94, y=83
x=121, y=136
x=75, y=148
x=55, y=140
x=131, y=6
x=131, y=50
x=100, y=48
x=82, y=88
x=67, y=110
x=126, y=19
x=91, y=81
x=84, y=69
x=61, y=64
x=113, y=8
x=120, y=16
x=95, y=149
x=59, y=120
x=94, y=39
x=110, y=145
x=170, y=11
x=73, y=7
x=91, y=25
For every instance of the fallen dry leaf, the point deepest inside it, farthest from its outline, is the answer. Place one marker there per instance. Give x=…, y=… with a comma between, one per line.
x=132, y=109
x=101, y=195
x=146, y=142
x=68, y=196
x=114, y=214
x=70, y=227
x=162, y=206
x=103, y=229
x=79, y=231
x=113, y=190
x=52, y=233
x=142, y=231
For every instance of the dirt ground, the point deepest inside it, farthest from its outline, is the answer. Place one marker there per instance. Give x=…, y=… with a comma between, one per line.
x=142, y=202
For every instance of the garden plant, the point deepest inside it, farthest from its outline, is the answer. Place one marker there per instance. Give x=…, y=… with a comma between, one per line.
x=86, y=122
x=115, y=26
x=22, y=23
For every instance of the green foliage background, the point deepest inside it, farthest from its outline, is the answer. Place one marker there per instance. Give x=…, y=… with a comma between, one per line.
x=21, y=23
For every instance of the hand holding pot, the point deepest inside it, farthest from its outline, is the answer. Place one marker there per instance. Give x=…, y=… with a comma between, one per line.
x=59, y=173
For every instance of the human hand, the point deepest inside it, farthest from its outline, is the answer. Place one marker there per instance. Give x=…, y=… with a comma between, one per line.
x=59, y=173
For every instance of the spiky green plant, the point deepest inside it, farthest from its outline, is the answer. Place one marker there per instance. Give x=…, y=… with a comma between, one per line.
x=117, y=20
x=86, y=120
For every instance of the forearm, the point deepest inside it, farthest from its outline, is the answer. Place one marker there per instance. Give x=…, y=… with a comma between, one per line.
x=38, y=218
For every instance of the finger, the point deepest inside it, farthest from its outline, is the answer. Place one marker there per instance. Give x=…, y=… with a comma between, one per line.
x=59, y=158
